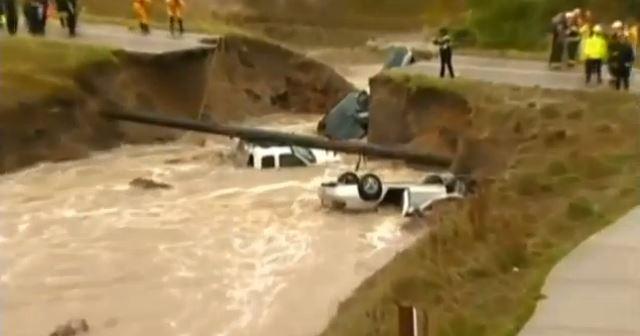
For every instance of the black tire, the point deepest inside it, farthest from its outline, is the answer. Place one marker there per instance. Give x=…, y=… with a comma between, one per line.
x=370, y=187
x=433, y=179
x=348, y=178
x=451, y=186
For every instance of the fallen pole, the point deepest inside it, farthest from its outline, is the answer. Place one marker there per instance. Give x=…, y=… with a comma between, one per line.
x=262, y=135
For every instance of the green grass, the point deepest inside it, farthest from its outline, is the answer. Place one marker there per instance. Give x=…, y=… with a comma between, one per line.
x=482, y=277
x=33, y=69
x=416, y=82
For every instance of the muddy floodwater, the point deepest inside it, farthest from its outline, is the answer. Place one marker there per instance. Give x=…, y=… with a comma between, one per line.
x=227, y=251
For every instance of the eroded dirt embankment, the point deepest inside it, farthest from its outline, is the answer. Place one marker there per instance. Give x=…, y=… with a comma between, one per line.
x=480, y=268
x=243, y=78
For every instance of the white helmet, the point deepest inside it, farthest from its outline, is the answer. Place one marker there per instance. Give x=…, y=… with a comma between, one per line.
x=617, y=25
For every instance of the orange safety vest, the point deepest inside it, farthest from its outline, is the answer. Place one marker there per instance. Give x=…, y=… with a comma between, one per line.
x=141, y=8
x=175, y=7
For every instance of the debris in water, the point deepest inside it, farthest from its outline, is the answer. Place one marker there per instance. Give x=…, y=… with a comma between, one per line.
x=148, y=184
x=72, y=328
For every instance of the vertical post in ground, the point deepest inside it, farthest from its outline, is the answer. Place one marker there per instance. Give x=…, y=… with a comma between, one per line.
x=412, y=321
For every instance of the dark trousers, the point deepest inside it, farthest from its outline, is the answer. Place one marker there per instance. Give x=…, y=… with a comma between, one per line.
x=557, y=49
x=11, y=14
x=36, y=16
x=572, y=50
x=172, y=21
x=69, y=8
x=622, y=78
x=446, y=63
x=593, y=66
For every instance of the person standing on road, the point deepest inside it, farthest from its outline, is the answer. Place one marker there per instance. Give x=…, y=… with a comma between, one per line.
x=9, y=15
x=68, y=12
x=43, y=15
x=559, y=28
x=446, y=52
x=35, y=12
x=175, y=9
x=573, y=41
x=142, y=9
x=595, y=53
x=621, y=60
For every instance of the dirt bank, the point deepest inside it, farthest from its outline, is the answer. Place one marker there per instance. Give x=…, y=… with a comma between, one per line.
x=572, y=159
x=428, y=117
x=245, y=78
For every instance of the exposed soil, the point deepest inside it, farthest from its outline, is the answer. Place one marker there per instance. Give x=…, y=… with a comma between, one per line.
x=245, y=78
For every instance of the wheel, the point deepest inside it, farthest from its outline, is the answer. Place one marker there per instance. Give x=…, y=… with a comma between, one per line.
x=348, y=178
x=370, y=187
x=433, y=179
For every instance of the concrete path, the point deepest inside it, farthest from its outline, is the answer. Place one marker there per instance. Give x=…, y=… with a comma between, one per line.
x=516, y=72
x=595, y=291
x=120, y=37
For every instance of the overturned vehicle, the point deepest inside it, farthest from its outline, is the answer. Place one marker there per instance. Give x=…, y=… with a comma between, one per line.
x=349, y=119
x=368, y=192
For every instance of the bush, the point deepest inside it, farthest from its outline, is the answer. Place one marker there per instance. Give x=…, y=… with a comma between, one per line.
x=580, y=209
x=465, y=37
x=595, y=168
x=508, y=23
x=527, y=184
x=557, y=168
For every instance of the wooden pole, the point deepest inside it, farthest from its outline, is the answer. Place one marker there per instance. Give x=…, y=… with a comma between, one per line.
x=275, y=137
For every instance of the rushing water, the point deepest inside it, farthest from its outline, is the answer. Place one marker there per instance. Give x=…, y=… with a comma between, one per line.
x=227, y=251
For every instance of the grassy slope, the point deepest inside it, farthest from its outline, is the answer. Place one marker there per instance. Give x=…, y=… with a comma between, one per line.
x=33, y=69
x=476, y=280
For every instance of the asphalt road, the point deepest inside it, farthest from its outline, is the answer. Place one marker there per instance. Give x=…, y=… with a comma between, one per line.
x=121, y=37
x=515, y=72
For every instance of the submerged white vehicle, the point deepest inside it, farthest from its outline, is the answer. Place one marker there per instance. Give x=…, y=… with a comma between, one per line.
x=268, y=156
x=368, y=192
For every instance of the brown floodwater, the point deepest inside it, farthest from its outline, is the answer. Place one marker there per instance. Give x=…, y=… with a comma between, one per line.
x=227, y=251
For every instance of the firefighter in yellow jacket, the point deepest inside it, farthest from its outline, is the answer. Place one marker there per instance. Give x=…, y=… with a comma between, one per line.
x=595, y=53
x=175, y=9
x=142, y=9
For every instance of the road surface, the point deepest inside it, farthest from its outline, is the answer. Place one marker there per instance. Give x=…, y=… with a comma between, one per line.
x=121, y=37
x=495, y=70
x=515, y=72
x=595, y=291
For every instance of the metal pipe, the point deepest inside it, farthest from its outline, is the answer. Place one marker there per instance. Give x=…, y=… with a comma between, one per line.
x=262, y=135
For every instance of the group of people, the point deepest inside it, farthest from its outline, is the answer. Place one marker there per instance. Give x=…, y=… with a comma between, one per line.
x=175, y=9
x=36, y=13
x=577, y=37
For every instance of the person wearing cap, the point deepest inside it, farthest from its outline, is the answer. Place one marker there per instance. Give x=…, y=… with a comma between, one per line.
x=595, y=53
x=621, y=60
x=444, y=43
x=618, y=28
